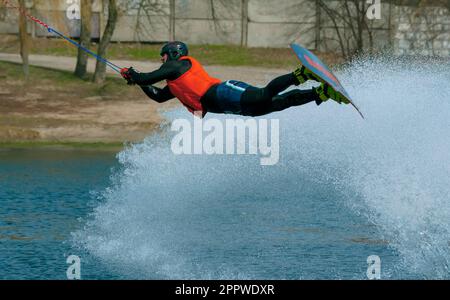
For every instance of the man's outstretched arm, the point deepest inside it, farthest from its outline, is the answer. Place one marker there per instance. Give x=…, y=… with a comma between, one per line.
x=157, y=94
x=168, y=71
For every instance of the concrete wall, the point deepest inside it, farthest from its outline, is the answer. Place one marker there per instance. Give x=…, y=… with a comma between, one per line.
x=281, y=24
x=253, y=23
x=210, y=22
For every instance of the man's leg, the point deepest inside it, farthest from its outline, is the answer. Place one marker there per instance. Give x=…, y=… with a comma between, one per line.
x=261, y=97
x=279, y=84
x=255, y=103
x=294, y=98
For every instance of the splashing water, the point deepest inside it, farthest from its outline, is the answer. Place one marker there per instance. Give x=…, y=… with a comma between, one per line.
x=200, y=216
x=403, y=159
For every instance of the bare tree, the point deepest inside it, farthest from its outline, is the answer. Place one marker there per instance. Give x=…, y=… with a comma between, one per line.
x=350, y=25
x=85, y=37
x=100, y=68
x=244, y=23
x=24, y=40
x=3, y=13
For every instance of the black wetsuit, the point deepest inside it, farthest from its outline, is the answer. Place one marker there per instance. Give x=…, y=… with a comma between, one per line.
x=253, y=101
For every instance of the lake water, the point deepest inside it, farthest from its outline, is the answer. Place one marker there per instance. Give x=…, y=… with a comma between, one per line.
x=343, y=189
x=45, y=193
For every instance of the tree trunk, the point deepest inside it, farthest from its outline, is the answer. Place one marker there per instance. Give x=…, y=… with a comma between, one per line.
x=100, y=68
x=24, y=41
x=172, y=20
x=244, y=23
x=85, y=37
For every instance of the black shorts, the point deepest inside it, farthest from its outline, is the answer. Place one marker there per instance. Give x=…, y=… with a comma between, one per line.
x=234, y=97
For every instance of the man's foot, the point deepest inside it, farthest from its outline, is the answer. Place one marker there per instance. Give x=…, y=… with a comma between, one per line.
x=302, y=74
x=325, y=92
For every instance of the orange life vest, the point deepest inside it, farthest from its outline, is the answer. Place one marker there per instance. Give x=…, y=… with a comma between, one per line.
x=190, y=87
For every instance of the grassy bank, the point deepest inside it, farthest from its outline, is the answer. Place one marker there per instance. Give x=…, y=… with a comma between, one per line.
x=63, y=80
x=226, y=55
x=55, y=109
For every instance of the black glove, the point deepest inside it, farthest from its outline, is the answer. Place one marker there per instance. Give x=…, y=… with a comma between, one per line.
x=127, y=74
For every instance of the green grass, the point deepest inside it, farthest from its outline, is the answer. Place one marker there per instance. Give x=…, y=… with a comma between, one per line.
x=211, y=55
x=65, y=80
x=15, y=71
x=224, y=55
x=227, y=55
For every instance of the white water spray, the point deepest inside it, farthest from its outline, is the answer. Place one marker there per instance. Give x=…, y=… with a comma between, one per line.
x=393, y=168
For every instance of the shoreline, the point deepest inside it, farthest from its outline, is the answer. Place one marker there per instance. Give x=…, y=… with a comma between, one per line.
x=55, y=110
x=63, y=146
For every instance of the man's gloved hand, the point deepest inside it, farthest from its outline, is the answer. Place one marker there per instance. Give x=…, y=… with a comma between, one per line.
x=127, y=74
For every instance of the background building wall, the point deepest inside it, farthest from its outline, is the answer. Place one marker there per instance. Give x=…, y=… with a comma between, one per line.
x=404, y=28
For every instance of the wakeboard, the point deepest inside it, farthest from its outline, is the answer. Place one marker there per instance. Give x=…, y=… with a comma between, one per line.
x=316, y=66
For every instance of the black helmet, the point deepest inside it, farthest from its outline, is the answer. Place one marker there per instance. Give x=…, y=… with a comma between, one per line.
x=174, y=50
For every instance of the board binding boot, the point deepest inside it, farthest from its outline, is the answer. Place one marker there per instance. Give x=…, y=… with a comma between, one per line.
x=302, y=75
x=326, y=91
